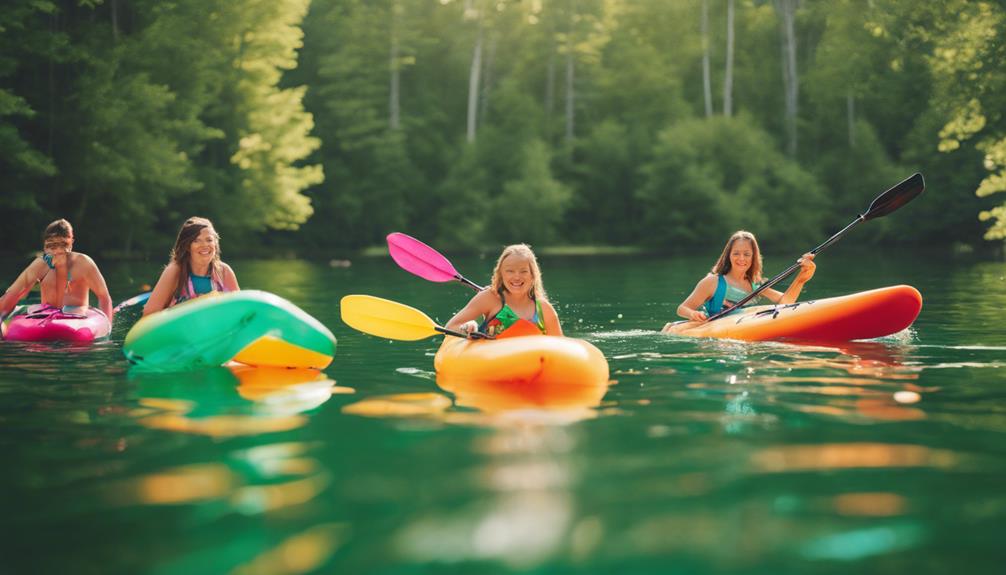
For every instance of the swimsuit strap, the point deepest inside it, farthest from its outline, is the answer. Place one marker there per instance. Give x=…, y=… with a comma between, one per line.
x=69, y=270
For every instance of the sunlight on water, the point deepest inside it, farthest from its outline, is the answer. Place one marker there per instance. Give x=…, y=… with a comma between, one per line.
x=699, y=456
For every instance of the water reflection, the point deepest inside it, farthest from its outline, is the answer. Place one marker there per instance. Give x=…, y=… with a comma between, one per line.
x=495, y=402
x=831, y=457
x=301, y=553
x=231, y=401
x=494, y=396
x=527, y=511
x=250, y=482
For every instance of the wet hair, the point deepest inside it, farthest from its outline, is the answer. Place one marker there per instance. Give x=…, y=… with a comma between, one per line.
x=537, y=290
x=181, y=254
x=723, y=265
x=57, y=234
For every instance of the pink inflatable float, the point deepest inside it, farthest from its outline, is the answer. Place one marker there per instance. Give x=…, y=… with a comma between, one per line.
x=46, y=323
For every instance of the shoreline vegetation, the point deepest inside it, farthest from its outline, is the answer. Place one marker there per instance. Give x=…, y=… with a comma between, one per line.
x=320, y=126
x=338, y=258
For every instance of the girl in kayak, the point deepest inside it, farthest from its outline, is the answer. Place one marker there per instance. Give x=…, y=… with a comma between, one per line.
x=736, y=274
x=65, y=277
x=516, y=293
x=194, y=268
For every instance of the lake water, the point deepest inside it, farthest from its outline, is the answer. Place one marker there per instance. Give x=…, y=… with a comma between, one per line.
x=703, y=456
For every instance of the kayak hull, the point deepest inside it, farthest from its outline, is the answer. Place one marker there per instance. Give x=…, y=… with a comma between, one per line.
x=536, y=371
x=863, y=315
x=250, y=327
x=46, y=323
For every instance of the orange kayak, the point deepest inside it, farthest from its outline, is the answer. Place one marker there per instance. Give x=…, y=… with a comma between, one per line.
x=863, y=315
x=526, y=371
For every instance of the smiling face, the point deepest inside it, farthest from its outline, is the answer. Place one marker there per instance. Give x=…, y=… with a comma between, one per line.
x=741, y=256
x=203, y=248
x=516, y=273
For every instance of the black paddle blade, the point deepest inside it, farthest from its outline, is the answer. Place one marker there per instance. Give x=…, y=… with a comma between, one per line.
x=896, y=197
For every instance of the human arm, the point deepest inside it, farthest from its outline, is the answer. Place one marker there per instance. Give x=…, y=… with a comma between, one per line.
x=704, y=290
x=96, y=283
x=466, y=319
x=22, y=285
x=230, y=279
x=551, y=318
x=161, y=295
x=807, y=268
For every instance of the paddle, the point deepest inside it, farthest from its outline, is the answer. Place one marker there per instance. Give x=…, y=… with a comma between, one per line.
x=420, y=259
x=135, y=300
x=882, y=205
x=392, y=320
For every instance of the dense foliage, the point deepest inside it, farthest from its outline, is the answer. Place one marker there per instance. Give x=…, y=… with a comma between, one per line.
x=475, y=122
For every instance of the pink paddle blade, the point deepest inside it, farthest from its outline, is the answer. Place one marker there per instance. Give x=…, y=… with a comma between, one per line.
x=418, y=258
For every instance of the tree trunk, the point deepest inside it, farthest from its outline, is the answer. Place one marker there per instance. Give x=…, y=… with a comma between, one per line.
x=487, y=78
x=393, y=106
x=51, y=77
x=473, y=82
x=707, y=89
x=728, y=77
x=114, y=7
x=549, y=103
x=787, y=11
x=570, y=78
x=850, y=108
x=550, y=87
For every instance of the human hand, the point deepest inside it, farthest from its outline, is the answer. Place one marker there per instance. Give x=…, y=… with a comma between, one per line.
x=468, y=327
x=698, y=315
x=807, y=268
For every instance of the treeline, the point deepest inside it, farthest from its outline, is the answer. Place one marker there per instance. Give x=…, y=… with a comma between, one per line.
x=474, y=122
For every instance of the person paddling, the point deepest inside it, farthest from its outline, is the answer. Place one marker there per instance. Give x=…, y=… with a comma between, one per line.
x=194, y=268
x=65, y=277
x=516, y=293
x=737, y=273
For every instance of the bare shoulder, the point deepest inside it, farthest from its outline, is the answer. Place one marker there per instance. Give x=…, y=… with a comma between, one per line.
x=486, y=300
x=547, y=306
x=84, y=260
x=170, y=271
x=709, y=282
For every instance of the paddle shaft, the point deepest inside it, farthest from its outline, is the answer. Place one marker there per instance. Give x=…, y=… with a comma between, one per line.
x=473, y=335
x=468, y=282
x=882, y=205
x=788, y=271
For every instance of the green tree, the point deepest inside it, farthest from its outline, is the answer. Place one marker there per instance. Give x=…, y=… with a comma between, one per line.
x=532, y=205
x=712, y=176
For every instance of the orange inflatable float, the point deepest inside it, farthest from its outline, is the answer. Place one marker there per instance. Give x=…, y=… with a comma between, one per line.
x=522, y=368
x=863, y=315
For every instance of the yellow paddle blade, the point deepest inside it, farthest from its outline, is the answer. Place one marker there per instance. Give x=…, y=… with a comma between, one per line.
x=386, y=318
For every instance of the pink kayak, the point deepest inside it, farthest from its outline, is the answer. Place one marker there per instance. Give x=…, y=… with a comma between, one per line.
x=47, y=323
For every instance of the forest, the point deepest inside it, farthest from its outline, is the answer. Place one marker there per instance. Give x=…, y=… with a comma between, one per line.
x=321, y=126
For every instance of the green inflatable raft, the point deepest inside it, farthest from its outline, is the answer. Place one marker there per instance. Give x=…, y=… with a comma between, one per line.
x=249, y=327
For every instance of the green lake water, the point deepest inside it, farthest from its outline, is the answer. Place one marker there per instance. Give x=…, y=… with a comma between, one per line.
x=703, y=456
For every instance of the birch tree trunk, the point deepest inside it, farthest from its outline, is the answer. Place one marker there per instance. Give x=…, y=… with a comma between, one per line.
x=707, y=89
x=473, y=82
x=570, y=76
x=487, y=77
x=114, y=6
x=787, y=11
x=550, y=74
x=393, y=106
x=850, y=108
x=728, y=76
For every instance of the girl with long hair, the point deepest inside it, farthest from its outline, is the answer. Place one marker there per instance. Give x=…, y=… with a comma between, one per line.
x=516, y=293
x=194, y=268
x=737, y=273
